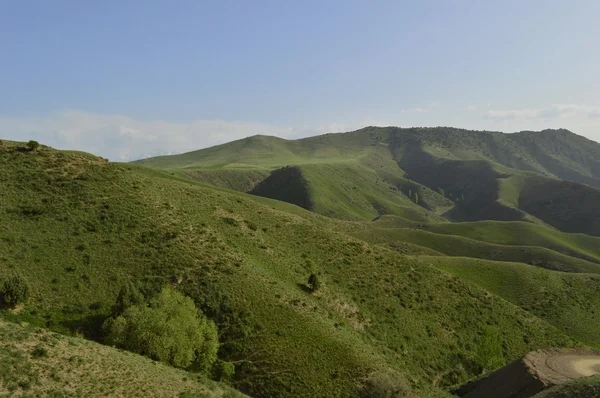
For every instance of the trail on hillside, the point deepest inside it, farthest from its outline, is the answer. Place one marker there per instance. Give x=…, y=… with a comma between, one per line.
x=534, y=373
x=560, y=367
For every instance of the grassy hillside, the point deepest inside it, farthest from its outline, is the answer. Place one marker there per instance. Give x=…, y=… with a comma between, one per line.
x=587, y=387
x=460, y=174
x=78, y=228
x=566, y=300
x=237, y=180
x=36, y=362
x=459, y=246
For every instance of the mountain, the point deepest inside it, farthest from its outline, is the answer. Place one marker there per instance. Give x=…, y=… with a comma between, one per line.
x=388, y=315
x=420, y=174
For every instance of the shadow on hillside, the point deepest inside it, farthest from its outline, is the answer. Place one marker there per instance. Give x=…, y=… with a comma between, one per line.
x=303, y=287
x=90, y=327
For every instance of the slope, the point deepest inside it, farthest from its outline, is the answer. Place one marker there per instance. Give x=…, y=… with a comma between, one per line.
x=36, y=362
x=464, y=175
x=568, y=301
x=244, y=260
x=459, y=246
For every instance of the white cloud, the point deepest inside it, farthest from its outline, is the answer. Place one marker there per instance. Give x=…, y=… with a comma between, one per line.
x=123, y=138
x=414, y=110
x=551, y=112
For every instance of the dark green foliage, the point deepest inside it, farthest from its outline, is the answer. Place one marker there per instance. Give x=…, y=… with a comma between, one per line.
x=39, y=352
x=129, y=296
x=14, y=290
x=33, y=145
x=223, y=370
x=385, y=384
x=314, y=283
x=170, y=329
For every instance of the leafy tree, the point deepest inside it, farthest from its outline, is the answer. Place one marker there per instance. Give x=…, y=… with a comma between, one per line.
x=33, y=145
x=14, y=290
x=170, y=329
x=314, y=283
x=128, y=296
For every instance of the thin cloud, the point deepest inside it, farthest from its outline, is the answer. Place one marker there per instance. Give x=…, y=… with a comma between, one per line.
x=551, y=112
x=123, y=138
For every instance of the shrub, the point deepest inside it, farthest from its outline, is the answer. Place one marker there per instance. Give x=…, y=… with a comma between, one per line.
x=14, y=290
x=314, y=283
x=170, y=329
x=128, y=296
x=33, y=145
x=223, y=370
x=386, y=384
x=39, y=351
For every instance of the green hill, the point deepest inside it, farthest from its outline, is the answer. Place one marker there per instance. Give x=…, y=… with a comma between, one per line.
x=419, y=174
x=566, y=300
x=36, y=362
x=78, y=228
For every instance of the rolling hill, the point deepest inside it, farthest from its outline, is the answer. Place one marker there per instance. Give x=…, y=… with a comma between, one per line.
x=78, y=228
x=421, y=174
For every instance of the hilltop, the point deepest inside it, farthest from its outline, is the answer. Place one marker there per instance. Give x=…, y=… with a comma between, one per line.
x=420, y=174
x=245, y=261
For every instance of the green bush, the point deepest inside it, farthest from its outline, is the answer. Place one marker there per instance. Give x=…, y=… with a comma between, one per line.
x=33, y=145
x=39, y=352
x=386, y=384
x=223, y=370
x=170, y=329
x=314, y=282
x=14, y=290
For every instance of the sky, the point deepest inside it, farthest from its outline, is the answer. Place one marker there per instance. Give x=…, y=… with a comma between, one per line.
x=130, y=79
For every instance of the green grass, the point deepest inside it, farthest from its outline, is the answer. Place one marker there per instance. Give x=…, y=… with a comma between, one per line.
x=587, y=387
x=453, y=245
x=36, y=362
x=362, y=174
x=569, y=301
x=78, y=228
x=524, y=234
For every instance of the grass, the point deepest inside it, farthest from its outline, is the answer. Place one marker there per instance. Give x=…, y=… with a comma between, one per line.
x=568, y=301
x=78, y=228
x=366, y=173
x=459, y=246
x=587, y=387
x=36, y=362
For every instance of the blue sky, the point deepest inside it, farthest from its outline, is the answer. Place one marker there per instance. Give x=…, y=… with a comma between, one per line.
x=128, y=79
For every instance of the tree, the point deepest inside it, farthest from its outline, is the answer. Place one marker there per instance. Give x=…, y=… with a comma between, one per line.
x=33, y=145
x=416, y=198
x=14, y=290
x=128, y=296
x=313, y=282
x=170, y=329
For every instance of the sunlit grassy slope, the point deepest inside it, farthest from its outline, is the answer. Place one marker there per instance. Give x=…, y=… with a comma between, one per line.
x=460, y=174
x=36, y=362
x=78, y=228
x=567, y=300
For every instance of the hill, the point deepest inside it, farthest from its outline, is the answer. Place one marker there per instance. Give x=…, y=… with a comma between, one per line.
x=419, y=174
x=245, y=261
x=36, y=362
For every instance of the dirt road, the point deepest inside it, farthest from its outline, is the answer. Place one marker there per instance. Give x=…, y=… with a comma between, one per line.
x=535, y=372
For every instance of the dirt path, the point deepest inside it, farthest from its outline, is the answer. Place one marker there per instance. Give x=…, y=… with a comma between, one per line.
x=559, y=367
x=535, y=372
